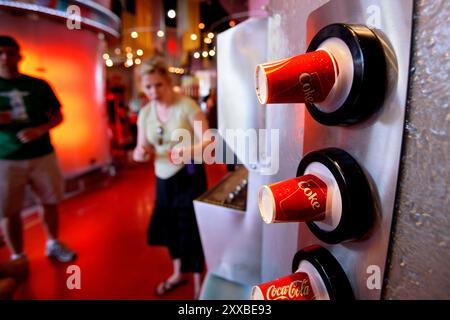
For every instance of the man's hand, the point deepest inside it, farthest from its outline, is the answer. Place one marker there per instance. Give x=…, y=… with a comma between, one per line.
x=30, y=134
x=5, y=117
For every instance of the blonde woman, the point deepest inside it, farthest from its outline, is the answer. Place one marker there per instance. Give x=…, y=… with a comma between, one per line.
x=173, y=223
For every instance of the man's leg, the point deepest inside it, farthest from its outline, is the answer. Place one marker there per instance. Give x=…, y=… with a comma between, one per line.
x=55, y=248
x=13, y=181
x=47, y=183
x=50, y=217
x=12, y=228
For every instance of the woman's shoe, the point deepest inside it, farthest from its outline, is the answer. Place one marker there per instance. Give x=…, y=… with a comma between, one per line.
x=167, y=286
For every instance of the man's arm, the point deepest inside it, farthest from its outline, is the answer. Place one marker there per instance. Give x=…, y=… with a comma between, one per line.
x=33, y=133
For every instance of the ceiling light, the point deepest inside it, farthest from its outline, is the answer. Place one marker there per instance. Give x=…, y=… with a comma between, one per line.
x=128, y=63
x=171, y=14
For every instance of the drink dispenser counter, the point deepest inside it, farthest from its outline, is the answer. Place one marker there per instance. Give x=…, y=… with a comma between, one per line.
x=231, y=232
x=223, y=221
x=339, y=161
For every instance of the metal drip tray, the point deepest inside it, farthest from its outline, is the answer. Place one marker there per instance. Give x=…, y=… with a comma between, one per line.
x=231, y=192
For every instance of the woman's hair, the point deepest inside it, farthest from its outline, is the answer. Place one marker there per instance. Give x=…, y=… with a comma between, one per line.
x=155, y=65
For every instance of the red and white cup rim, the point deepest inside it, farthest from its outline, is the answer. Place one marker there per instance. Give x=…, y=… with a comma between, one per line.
x=267, y=208
x=261, y=84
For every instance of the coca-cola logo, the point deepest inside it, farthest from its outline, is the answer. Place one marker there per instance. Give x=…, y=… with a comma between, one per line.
x=306, y=81
x=295, y=290
x=307, y=187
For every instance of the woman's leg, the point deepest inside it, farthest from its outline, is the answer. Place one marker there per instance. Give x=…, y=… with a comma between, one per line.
x=197, y=285
x=176, y=279
x=176, y=273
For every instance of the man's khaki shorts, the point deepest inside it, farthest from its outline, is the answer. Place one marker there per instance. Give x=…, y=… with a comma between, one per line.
x=44, y=176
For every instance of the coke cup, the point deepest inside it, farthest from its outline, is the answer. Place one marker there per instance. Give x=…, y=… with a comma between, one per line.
x=305, y=78
x=302, y=198
x=295, y=286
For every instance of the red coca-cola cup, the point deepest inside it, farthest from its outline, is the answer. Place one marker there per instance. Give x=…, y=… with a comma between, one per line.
x=295, y=286
x=307, y=77
x=302, y=198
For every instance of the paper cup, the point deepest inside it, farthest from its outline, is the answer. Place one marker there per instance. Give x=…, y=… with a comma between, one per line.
x=300, y=199
x=304, y=78
x=295, y=286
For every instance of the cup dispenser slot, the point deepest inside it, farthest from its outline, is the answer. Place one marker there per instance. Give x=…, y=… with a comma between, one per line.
x=316, y=275
x=330, y=193
x=341, y=78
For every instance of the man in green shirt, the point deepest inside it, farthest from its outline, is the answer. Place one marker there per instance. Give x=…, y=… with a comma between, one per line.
x=28, y=110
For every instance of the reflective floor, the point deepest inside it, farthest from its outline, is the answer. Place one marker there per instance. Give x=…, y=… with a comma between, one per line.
x=107, y=227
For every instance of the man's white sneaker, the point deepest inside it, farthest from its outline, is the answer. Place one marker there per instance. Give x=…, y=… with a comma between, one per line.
x=57, y=250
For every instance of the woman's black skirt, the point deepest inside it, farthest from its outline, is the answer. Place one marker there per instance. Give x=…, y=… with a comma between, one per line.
x=173, y=223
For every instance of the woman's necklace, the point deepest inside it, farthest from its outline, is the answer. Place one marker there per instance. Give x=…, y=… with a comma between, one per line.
x=162, y=115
